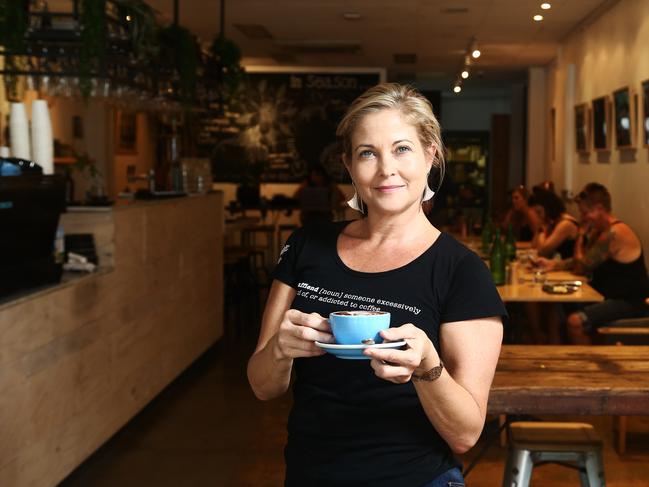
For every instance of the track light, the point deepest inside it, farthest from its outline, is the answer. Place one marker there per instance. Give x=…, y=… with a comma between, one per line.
x=457, y=88
x=465, y=73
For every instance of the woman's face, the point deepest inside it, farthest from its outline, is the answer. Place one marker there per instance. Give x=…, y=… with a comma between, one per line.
x=388, y=164
x=518, y=202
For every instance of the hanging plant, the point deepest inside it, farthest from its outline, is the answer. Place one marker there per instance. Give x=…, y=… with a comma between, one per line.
x=143, y=29
x=179, y=52
x=224, y=70
x=93, y=42
x=13, y=28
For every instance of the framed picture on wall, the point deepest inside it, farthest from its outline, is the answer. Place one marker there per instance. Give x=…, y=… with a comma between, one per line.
x=645, y=113
x=581, y=128
x=601, y=123
x=125, y=132
x=623, y=114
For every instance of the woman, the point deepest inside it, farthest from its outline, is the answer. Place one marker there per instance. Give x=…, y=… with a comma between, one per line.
x=557, y=234
x=398, y=419
x=523, y=219
x=558, y=230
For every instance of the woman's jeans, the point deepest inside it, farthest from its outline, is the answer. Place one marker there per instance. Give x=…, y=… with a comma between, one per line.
x=450, y=478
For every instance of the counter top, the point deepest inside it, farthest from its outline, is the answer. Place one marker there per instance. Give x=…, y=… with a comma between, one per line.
x=69, y=279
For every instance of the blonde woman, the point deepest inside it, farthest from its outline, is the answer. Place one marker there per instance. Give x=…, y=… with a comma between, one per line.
x=397, y=418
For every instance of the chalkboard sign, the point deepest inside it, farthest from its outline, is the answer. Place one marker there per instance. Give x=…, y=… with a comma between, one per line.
x=280, y=124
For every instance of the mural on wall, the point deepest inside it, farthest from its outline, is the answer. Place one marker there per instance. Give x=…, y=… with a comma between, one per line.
x=280, y=124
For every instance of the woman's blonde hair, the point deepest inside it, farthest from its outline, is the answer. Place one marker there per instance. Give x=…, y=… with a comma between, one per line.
x=416, y=109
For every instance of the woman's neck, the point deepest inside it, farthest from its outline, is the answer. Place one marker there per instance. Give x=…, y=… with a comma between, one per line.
x=396, y=228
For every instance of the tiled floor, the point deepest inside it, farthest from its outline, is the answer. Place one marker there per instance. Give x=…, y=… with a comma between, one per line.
x=207, y=429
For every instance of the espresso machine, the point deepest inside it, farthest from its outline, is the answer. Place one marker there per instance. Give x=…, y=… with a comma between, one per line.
x=30, y=206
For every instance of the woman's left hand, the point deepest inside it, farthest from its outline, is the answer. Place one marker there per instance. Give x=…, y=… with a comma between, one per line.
x=398, y=365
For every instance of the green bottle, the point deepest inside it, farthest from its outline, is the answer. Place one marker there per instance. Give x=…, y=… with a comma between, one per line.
x=510, y=244
x=487, y=236
x=497, y=260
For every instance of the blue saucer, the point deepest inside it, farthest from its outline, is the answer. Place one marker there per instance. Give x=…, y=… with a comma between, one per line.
x=355, y=352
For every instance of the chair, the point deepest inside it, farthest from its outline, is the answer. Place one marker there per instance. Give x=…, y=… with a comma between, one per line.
x=535, y=443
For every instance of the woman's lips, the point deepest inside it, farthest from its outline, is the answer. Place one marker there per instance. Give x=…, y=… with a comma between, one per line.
x=389, y=188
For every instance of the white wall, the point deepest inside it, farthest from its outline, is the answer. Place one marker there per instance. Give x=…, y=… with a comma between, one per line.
x=608, y=54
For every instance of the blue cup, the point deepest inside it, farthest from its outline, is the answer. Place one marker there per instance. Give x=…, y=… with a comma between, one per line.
x=356, y=327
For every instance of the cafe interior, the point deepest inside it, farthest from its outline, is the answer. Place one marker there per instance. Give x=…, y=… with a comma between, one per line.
x=156, y=155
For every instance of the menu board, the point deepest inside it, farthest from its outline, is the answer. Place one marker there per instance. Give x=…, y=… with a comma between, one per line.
x=280, y=124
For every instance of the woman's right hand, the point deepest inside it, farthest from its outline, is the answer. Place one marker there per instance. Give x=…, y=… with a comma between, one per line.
x=298, y=333
x=544, y=263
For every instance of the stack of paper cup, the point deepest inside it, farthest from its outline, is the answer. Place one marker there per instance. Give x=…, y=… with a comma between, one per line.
x=42, y=141
x=18, y=128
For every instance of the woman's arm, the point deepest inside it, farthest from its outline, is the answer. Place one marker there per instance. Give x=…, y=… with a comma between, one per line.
x=285, y=334
x=546, y=245
x=456, y=402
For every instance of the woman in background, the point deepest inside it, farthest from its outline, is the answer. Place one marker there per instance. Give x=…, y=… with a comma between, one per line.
x=558, y=230
x=524, y=220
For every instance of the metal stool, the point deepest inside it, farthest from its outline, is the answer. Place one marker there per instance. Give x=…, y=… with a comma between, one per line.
x=535, y=443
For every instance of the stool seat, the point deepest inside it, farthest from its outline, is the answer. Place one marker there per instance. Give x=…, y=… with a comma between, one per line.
x=549, y=436
x=534, y=443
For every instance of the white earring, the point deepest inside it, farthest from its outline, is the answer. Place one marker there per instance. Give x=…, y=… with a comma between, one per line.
x=428, y=193
x=356, y=203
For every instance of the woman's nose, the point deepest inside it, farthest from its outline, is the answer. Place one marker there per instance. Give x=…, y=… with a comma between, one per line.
x=387, y=165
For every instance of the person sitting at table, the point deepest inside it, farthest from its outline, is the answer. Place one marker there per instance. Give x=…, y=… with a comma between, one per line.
x=523, y=219
x=558, y=230
x=557, y=234
x=318, y=197
x=610, y=250
x=397, y=418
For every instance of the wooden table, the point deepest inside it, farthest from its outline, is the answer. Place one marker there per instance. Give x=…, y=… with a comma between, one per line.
x=530, y=291
x=570, y=379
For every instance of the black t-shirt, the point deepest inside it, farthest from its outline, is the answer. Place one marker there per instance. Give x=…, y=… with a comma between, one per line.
x=348, y=427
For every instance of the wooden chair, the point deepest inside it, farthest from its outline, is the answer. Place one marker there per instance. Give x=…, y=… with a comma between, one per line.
x=535, y=443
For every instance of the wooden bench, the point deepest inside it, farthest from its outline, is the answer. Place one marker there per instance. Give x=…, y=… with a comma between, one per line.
x=631, y=331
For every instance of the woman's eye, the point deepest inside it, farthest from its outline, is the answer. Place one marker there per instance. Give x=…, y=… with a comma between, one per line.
x=403, y=148
x=366, y=153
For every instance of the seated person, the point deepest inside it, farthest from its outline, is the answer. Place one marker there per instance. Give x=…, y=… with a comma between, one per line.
x=609, y=250
x=557, y=234
x=524, y=220
x=558, y=230
x=318, y=196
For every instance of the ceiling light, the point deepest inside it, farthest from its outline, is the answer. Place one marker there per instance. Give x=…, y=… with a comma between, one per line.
x=476, y=53
x=465, y=73
x=538, y=18
x=546, y=6
x=457, y=89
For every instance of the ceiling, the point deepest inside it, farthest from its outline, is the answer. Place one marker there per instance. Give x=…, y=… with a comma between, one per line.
x=436, y=32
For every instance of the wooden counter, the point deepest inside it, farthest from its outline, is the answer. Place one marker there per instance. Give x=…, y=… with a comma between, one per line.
x=79, y=360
